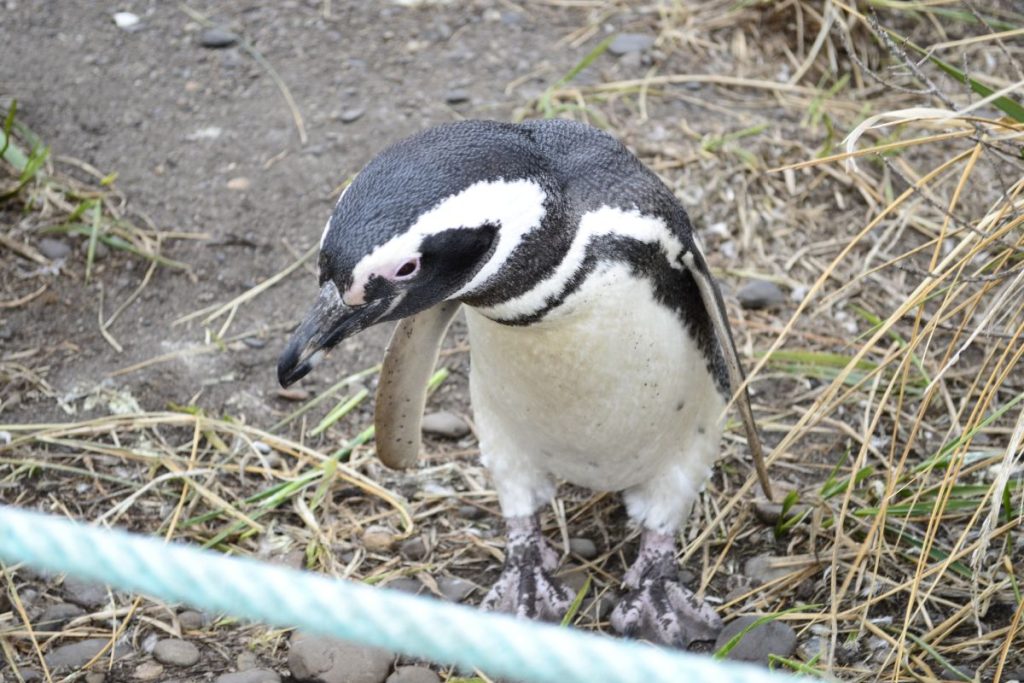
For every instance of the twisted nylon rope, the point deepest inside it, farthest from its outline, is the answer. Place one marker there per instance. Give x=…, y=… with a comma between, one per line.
x=421, y=627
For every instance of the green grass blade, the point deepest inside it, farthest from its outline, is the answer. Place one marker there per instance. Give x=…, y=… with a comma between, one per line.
x=1008, y=106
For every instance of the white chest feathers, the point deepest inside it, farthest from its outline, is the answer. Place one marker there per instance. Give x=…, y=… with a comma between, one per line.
x=607, y=392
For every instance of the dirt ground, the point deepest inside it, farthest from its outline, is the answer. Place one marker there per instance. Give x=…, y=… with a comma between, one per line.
x=139, y=102
x=208, y=150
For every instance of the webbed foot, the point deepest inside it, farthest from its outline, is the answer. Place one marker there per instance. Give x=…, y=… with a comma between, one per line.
x=658, y=607
x=526, y=587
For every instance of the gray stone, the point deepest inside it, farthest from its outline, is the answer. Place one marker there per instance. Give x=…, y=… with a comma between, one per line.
x=76, y=655
x=583, y=547
x=774, y=637
x=600, y=606
x=414, y=549
x=217, y=37
x=758, y=294
x=246, y=661
x=99, y=252
x=574, y=577
x=351, y=115
x=765, y=568
x=406, y=584
x=85, y=593
x=471, y=512
x=54, y=249
x=624, y=43
x=445, y=424
x=31, y=675
x=316, y=659
x=148, y=671
x=455, y=589
x=456, y=96
x=251, y=676
x=56, y=616
x=175, y=652
x=95, y=677
x=191, y=620
x=413, y=674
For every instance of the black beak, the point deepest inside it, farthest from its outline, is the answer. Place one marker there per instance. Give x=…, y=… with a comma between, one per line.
x=328, y=323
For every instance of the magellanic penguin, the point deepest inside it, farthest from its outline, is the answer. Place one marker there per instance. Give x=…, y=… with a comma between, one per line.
x=600, y=349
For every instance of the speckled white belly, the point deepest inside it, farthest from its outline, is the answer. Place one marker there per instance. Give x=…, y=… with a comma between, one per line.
x=607, y=392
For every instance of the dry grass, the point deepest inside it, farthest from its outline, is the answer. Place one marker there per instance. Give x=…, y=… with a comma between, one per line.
x=885, y=194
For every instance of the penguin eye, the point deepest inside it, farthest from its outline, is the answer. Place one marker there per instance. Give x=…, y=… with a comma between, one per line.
x=407, y=269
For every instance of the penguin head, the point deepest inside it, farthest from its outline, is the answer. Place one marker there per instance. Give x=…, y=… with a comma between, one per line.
x=431, y=218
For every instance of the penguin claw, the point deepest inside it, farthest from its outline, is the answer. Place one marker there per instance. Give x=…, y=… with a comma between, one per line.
x=664, y=611
x=659, y=608
x=527, y=587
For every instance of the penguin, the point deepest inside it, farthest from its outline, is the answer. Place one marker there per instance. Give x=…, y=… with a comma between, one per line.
x=600, y=350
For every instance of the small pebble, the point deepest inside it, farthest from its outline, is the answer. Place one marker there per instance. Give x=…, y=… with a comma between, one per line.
x=413, y=674
x=406, y=584
x=770, y=513
x=174, y=652
x=456, y=96
x=351, y=115
x=445, y=424
x=600, y=607
x=77, y=654
x=573, y=577
x=148, y=671
x=758, y=294
x=378, y=539
x=254, y=342
x=191, y=620
x=296, y=395
x=217, y=37
x=326, y=660
x=126, y=20
x=95, y=677
x=54, y=249
x=56, y=616
x=99, y=252
x=583, y=547
x=471, y=512
x=239, y=184
x=207, y=133
x=31, y=675
x=765, y=568
x=414, y=549
x=251, y=676
x=296, y=559
x=775, y=637
x=246, y=661
x=455, y=589
x=625, y=43
x=85, y=593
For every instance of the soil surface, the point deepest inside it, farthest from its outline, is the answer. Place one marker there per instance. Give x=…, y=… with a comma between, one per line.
x=203, y=141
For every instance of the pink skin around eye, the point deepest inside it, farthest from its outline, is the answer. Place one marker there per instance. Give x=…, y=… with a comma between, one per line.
x=407, y=269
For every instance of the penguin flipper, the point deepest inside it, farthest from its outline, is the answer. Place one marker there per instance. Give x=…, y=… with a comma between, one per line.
x=402, y=391
x=715, y=307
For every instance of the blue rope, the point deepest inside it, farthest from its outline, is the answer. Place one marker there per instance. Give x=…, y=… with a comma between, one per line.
x=421, y=627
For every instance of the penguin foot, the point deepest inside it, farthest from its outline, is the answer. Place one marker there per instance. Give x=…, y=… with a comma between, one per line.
x=658, y=607
x=527, y=587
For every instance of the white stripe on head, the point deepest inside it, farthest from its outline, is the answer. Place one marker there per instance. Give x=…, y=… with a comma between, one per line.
x=604, y=221
x=327, y=228
x=516, y=207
